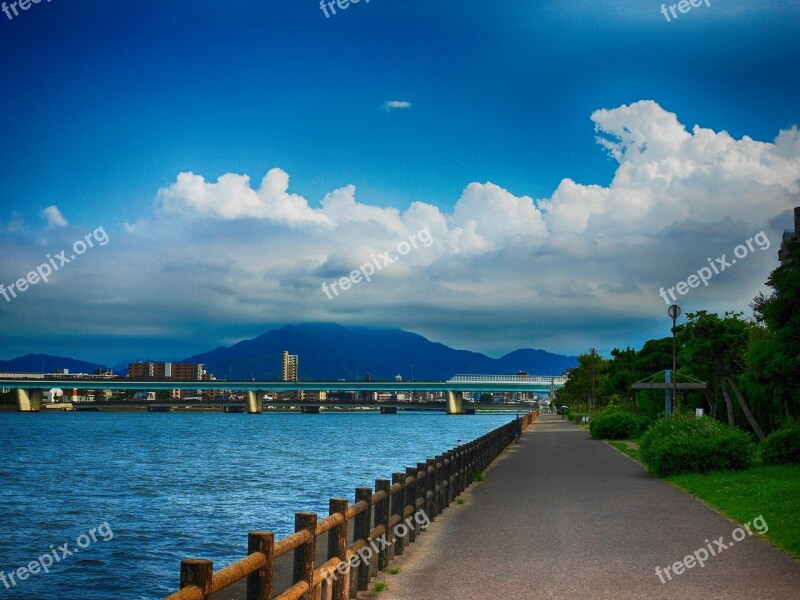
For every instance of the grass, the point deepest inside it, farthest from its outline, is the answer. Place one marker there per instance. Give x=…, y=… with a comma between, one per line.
x=393, y=570
x=460, y=500
x=479, y=476
x=380, y=586
x=771, y=491
x=628, y=447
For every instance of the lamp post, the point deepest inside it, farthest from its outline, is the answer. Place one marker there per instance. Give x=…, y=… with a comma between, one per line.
x=674, y=312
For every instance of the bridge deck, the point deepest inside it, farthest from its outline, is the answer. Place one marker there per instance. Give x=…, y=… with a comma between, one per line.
x=280, y=386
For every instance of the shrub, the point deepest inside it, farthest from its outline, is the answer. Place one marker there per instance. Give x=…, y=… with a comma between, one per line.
x=691, y=445
x=781, y=447
x=643, y=423
x=614, y=425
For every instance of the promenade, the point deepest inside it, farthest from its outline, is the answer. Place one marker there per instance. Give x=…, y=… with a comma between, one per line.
x=563, y=516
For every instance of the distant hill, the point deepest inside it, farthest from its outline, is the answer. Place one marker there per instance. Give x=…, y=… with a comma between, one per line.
x=36, y=363
x=328, y=351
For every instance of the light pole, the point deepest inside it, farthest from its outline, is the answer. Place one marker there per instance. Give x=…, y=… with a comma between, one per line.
x=674, y=312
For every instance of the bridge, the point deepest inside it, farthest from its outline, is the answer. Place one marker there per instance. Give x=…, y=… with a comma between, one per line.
x=30, y=390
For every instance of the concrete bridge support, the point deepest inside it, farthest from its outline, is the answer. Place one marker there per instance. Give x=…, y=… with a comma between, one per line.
x=29, y=400
x=455, y=403
x=255, y=403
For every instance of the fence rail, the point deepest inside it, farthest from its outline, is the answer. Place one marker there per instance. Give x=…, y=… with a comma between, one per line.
x=388, y=513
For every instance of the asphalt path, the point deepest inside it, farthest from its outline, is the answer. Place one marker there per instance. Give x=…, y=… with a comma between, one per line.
x=560, y=515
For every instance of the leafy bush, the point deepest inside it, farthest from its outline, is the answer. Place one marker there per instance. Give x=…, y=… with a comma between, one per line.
x=614, y=425
x=643, y=423
x=692, y=445
x=781, y=447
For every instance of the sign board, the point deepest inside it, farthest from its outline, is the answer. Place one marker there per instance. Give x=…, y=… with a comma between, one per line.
x=698, y=412
x=585, y=419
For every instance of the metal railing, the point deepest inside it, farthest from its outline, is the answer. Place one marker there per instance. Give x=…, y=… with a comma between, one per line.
x=556, y=379
x=387, y=512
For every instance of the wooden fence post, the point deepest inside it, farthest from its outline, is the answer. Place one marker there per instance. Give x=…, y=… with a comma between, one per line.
x=259, y=583
x=425, y=485
x=412, y=493
x=382, y=515
x=398, y=502
x=197, y=572
x=337, y=547
x=362, y=524
x=305, y=555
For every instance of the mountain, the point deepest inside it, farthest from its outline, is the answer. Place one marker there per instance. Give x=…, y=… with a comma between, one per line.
x=38, y=363
x=330, y=352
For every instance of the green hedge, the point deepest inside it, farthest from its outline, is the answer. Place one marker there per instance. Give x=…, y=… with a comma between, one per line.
x=616, y=424
x=613, y=425
x=781, y=447
x=691, y=445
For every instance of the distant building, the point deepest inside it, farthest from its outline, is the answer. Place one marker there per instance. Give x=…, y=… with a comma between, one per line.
x=789, y=236
x=168, y=370
x=290, y=367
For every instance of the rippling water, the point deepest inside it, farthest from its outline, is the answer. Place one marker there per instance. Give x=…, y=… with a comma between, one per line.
x=184, y=484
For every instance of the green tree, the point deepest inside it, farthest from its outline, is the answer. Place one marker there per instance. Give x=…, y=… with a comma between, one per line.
x=586, y=382
x=774, y=358
x=717, y=347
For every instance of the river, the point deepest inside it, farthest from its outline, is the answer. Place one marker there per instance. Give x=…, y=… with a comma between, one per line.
x=135, y=493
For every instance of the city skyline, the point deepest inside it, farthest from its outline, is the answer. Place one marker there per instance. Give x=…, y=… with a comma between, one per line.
x=238, y=159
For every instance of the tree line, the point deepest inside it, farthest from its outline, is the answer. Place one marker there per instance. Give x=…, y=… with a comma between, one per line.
x=751, y=366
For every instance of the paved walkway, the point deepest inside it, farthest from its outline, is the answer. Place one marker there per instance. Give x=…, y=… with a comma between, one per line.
x=563, y=516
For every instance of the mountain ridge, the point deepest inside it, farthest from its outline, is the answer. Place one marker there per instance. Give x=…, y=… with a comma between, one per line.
x=328, y=351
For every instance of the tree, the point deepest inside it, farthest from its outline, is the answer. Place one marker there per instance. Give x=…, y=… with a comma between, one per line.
x=585, y=382
x=718, y=346
x=775, y=358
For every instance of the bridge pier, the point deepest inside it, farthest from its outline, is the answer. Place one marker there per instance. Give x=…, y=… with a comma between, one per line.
x=255, y=403
x=29, y=400
x=455, y=403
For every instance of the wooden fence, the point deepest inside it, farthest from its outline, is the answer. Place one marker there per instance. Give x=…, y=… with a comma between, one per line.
x=384, y=521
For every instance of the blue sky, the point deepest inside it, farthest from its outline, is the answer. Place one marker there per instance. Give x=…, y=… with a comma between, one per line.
x=105, y=104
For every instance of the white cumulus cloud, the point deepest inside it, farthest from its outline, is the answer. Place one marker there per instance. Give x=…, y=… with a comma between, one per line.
x=54, y=217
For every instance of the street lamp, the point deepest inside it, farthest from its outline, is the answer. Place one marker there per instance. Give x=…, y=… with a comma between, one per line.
x=674, y=312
